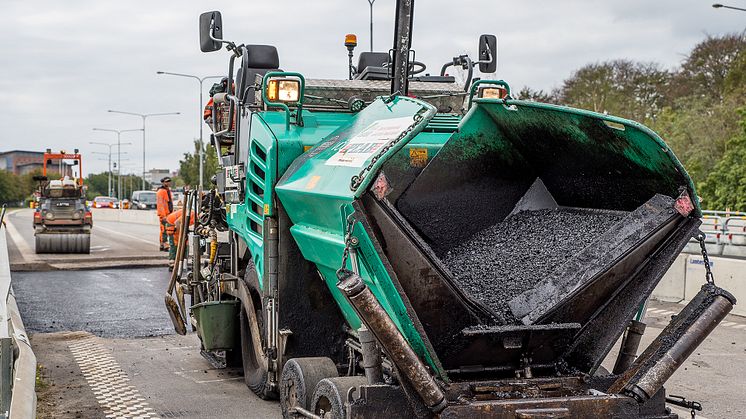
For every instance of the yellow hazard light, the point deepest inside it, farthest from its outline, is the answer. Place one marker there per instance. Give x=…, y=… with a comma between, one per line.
x=283, y=90
x=351, y=40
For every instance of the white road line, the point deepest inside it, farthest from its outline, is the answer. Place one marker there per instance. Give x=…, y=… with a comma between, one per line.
x=23, y=247
x=654, y=310
x=739, y=326
x=108, y=382
x=125, y=235
x=727, y=324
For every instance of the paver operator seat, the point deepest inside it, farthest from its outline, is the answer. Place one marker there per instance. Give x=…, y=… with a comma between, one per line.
x=258, y=60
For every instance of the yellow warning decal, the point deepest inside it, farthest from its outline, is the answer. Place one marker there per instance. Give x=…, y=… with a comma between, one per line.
x=417, y=157
x=307, y=147
x=266, y=209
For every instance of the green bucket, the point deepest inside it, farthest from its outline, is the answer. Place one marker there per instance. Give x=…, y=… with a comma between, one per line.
x=217, y=323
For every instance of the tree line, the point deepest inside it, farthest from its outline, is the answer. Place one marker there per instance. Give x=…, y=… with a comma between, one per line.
x=698, y=108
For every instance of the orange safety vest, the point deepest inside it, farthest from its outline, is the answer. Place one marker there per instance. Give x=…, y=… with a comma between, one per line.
x=208, y=110
x=164, y=203
x=174, y=221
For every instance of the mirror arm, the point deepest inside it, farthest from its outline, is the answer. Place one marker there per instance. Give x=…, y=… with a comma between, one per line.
x=231, y=45
x=470, y=65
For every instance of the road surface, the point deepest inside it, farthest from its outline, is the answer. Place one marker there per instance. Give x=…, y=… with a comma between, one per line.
x=107, y=348
x=119, y=315
x=113, y=244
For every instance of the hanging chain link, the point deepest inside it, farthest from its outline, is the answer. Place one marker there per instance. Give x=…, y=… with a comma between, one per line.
x=357, y=180
x=351, y=220
x=708, y=271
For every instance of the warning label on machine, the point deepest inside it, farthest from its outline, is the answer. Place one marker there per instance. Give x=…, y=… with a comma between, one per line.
x=368, y=142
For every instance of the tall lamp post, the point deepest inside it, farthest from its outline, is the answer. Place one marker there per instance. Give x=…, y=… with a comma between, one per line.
x=200, y=80
x=109, y=192
x=718, y=6
x=370, y=2
x=119, y=154
x=144, y=116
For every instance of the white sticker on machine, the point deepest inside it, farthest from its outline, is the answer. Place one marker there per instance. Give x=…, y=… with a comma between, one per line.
x=369, y=141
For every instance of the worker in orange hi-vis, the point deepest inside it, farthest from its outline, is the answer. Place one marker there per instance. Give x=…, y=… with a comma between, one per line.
x=216, y=88
x=173, y=231
x=164, y=206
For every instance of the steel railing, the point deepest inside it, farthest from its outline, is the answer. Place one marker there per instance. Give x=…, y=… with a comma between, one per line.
x=17, y=360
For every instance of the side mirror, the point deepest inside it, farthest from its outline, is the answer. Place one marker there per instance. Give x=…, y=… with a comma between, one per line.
x=487, y=53
x=210, y=28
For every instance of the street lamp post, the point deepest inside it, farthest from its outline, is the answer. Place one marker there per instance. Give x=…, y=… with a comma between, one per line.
x=144, y=116
x=200, y=80
x=109, y=192
x=371, y=23
x=718, y=6
x=119, y=154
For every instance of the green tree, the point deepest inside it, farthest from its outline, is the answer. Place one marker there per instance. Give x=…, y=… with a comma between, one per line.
x=624, y=88
x=189, y=165
x=10, y=189
x=704, y=71
x=725, y=187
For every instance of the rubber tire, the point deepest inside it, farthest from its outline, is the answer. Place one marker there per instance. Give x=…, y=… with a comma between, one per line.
x=330, y=396
x=299, y=379
x=254, y=374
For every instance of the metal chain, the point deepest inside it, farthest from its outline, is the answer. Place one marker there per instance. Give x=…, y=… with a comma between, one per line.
x=708, y=272
x=348, y=241
x=357, y=180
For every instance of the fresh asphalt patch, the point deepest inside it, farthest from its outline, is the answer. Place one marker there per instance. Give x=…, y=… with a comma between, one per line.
x=108, y=303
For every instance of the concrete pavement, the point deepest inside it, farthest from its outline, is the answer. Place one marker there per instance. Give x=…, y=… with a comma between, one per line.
x=113, y=244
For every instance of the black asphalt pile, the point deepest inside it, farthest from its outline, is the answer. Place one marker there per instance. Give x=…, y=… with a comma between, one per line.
x=510, y=257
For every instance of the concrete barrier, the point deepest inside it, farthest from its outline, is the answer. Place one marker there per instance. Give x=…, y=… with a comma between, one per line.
x=671, y=288
x=125, y=216
x=17, y=360
x=686, y=276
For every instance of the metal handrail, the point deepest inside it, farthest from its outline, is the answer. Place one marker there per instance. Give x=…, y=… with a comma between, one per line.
x=17, y=360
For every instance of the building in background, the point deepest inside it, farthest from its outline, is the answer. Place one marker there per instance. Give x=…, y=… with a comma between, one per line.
x=21, y=162
x=154, y=176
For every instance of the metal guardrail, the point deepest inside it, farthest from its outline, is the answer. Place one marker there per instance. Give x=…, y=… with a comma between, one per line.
x=17, y=360
x=725, y=234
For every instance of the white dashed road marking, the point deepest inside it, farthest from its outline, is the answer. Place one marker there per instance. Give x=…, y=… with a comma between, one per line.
x=108, y=381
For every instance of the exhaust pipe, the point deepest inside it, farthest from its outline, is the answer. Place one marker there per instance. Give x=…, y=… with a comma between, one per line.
x=391, y=340
x=675, y=343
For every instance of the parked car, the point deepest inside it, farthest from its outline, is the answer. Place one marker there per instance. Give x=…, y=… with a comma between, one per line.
x=143, y=200
x=104, y=202
x=176, y=197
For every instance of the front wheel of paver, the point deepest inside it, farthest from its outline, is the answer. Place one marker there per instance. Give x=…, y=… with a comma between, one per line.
x=330, y=395
x=299, y=379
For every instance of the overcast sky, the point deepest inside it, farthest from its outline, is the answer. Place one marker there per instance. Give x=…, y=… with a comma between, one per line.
x=64, y=63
